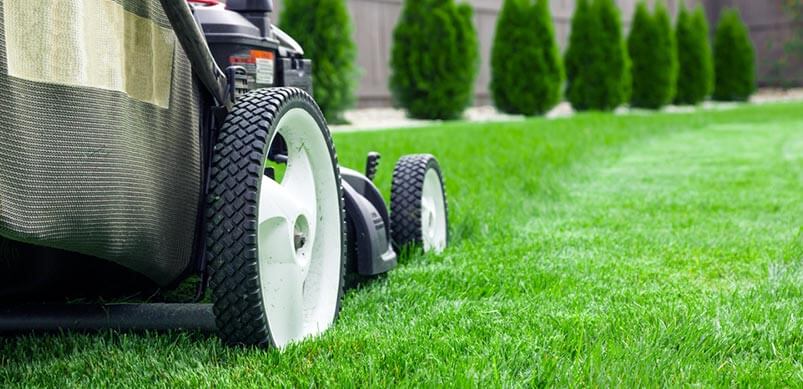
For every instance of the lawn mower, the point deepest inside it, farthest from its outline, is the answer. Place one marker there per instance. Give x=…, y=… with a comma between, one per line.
x=148, y=144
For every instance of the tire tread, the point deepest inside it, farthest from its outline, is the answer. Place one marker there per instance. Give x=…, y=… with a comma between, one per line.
x=405, y=198
x=232, y=204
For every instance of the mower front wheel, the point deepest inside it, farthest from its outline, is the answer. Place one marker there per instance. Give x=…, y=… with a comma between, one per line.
x=418, y=210
x=275, y=236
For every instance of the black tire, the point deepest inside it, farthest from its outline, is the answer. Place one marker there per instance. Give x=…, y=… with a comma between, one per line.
x=232, y=245
x=405, y=199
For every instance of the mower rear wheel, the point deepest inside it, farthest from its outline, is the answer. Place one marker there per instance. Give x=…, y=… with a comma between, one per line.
x=418, y=208
x=275, y=246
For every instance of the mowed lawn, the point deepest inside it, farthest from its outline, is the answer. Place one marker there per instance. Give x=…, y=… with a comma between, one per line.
x=598, y=250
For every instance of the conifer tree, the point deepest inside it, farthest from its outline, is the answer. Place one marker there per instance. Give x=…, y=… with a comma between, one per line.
x=323, y=29
x=734, y=59
x=434, y=59
x=526, y=73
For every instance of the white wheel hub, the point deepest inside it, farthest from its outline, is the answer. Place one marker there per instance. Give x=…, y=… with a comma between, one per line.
x=433, y=213
x=300, y=235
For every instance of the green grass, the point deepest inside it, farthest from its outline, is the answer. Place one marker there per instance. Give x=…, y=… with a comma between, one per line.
x=593, y=251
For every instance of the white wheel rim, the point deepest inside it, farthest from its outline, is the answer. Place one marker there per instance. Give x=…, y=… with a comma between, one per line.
x=433, y=213
x=300, y=235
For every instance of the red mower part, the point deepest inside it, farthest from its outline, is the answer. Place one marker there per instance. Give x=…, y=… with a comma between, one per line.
x=205, y=2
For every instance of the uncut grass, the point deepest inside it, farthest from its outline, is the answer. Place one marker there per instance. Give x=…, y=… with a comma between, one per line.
x=596, y=250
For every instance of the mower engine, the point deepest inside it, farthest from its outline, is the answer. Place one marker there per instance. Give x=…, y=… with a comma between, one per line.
x=254, y=51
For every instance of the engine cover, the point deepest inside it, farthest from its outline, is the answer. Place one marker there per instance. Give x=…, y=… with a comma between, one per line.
x=242, y=35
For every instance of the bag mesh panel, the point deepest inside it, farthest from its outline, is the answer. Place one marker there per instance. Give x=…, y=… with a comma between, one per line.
x=97, y=172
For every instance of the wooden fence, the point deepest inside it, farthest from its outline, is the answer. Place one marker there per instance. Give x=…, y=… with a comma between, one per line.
x=770, y=29
x=374, y=21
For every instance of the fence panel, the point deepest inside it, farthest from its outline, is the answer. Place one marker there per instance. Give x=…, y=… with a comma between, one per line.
x=374, y=21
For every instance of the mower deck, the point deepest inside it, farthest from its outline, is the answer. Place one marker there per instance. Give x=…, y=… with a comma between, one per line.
x=94, y=317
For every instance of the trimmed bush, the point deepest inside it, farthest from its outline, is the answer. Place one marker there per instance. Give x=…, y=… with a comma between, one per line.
x=669, y=50
x=616, y=81
x=695, y=67
x=596, y=60
x=434, y=59
x=323, y=28
x=627, y=83
x=582, y=58
x=651, y=45
x=734, y=59
x=526, y=74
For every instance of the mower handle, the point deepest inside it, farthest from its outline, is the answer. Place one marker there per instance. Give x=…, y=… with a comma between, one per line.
x=194, y=44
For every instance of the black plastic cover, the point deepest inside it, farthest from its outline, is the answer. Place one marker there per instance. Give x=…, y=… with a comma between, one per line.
x=296, y=72
x=250, y=5
x=219, y=24
x=369, y=223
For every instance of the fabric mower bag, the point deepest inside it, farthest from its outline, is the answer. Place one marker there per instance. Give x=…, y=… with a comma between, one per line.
x=99, y=138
